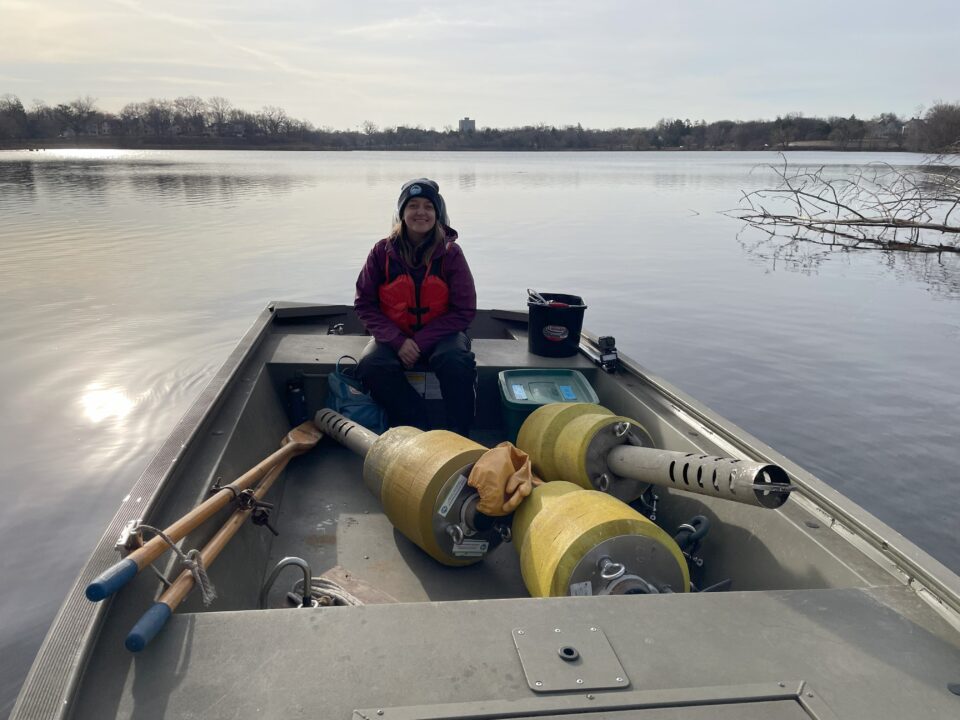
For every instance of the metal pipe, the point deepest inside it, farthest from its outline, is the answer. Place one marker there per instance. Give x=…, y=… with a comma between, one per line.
x=344, y=431
x=286, y=562
x=745, y=481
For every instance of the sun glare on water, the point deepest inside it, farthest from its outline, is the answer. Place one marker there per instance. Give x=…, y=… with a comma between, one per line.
x=90, y=153
x=100, y=403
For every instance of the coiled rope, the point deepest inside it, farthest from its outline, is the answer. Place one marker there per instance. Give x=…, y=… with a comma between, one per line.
x=320, y=587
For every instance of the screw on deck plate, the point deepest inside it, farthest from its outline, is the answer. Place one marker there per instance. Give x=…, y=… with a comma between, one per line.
x=538, y=683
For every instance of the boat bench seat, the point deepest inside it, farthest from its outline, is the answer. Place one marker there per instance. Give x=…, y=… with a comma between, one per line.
x=313, y=356
x=292, y=348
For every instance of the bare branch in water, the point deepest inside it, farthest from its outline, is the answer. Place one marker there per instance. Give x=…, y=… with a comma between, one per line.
x=876, y=207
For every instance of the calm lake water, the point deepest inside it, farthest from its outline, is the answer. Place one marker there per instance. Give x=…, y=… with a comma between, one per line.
x=127, y=277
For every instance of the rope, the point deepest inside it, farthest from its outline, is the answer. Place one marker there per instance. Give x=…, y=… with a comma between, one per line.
x=321, y=586
x=193, y=562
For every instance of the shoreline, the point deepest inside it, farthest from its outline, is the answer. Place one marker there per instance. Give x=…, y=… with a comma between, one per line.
x=113, y=142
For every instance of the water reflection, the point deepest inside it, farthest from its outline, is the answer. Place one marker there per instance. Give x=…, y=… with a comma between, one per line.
x=17, y=185
x=210, y=188
x=939, y=274
x=90, y=175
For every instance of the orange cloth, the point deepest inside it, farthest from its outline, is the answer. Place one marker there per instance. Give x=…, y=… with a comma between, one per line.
x=503, y=477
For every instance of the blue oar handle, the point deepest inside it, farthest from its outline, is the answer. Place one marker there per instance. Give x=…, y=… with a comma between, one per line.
x=112, y=579
x=148, y=626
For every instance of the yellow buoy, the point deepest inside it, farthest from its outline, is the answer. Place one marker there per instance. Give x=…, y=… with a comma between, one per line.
x=388, y=449
x=574, y=443
x=539, y=433
x=413, y=469
x=570, y=442
x=565, y=534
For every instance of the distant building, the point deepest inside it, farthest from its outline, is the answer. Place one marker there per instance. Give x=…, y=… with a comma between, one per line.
x=468, y=125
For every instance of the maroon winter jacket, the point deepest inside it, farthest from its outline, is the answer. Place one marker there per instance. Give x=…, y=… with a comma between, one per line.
x=455, y=272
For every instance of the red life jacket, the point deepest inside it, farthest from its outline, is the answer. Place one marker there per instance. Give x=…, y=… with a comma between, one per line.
x=409, y=306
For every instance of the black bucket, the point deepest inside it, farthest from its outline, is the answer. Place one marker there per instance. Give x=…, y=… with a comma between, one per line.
x=554, y=331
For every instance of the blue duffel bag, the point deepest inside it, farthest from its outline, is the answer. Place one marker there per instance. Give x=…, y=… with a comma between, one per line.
x=348, y=398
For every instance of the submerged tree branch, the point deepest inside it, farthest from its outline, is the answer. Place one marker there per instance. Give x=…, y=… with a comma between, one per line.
x=880, y=207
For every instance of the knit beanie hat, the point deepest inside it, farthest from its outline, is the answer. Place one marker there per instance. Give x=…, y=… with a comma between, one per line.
x=421, y=187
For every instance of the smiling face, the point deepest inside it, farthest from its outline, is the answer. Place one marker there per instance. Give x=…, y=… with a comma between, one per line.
x=419, y=216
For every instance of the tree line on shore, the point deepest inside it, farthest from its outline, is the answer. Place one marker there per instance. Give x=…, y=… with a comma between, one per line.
x=215, y=122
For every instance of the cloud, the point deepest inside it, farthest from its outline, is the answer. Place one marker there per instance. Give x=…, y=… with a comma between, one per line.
x=604, y=63
x=425, y=24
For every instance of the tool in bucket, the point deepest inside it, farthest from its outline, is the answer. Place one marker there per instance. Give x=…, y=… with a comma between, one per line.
x=540, y=300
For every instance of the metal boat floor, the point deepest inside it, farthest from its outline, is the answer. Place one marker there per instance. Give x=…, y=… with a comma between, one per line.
x=329, y=518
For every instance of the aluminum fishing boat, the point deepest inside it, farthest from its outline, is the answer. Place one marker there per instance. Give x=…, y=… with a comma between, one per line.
x=795, y=604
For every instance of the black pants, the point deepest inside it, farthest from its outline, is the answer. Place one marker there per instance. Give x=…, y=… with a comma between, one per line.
x=382, y=372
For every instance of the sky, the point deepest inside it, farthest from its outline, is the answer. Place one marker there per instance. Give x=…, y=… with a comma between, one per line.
x=600, y=63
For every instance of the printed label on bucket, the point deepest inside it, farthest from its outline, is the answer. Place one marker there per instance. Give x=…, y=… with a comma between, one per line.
x=555, y=333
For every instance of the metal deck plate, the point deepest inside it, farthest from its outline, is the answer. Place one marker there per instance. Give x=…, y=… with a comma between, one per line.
x=568, y=658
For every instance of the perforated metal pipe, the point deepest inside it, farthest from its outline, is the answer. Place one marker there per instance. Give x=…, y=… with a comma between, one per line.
x=744, y=481
x=346, y=432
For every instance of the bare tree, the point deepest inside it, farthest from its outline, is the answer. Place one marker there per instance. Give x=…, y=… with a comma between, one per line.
x=158, y=116
x=189, y=114
x=877, y=207
x=84, y=109
x=273, y=120
x=13, y=118
x=218, y=112
x=942, y=127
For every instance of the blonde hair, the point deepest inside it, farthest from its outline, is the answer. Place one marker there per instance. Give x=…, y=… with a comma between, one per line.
x=409, y=252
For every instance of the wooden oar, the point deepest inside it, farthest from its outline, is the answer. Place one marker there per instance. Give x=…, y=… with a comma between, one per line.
x=298, y=440
x=156, y=617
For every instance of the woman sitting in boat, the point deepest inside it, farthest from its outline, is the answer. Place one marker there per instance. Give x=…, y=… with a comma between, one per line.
x=416, y=297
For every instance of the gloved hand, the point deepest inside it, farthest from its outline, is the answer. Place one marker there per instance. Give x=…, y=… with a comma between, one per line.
x=503, y=477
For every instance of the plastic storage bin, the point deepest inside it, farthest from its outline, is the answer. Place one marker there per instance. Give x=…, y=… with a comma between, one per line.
x=554, y=330
x=523, y=391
